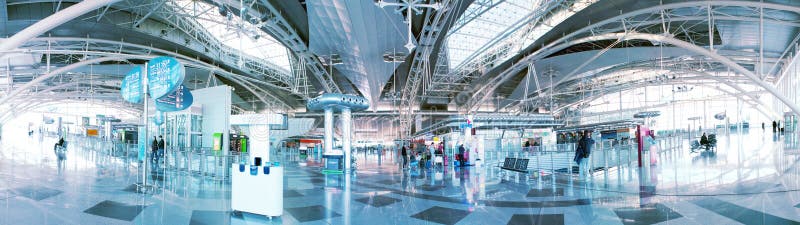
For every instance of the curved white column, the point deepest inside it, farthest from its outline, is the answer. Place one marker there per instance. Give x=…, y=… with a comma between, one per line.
x=51, y=22
x=328, y=130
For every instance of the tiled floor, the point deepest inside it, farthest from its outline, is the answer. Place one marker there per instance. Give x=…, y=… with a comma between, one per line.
x=751, y=179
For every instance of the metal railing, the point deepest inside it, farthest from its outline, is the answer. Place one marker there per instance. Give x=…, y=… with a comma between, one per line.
x=606, y=156
x=200, y=162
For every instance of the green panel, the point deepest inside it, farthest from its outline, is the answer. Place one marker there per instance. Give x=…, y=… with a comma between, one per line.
x=217, y=141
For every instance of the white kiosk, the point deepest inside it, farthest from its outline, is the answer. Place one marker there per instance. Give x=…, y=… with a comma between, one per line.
x=257, y=185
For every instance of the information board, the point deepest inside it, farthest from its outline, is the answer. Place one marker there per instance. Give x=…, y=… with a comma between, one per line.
x=177, y=100
x=131, y=88
x=164, y=74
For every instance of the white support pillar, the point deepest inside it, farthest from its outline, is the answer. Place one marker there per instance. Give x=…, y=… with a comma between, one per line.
x=328, y=130
x=347, y=124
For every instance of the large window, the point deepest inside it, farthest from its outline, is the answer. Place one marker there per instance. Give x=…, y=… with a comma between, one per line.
x=237, y=34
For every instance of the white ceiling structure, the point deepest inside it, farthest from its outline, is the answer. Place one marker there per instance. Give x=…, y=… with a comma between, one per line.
x=360, y=33
x=498, y=55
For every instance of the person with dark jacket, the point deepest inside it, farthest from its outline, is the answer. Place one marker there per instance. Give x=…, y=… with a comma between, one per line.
x=154, y=149
x=582, y=151
x=160, y=146
x=404, y=154
x=704, y=140
x=774, y=126
x=461, y=153
x=60, y=143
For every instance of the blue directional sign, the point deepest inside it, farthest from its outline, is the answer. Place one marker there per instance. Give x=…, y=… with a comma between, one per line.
x=177, y=100
x=131, y=87
x=164, y=74
x=158, y=118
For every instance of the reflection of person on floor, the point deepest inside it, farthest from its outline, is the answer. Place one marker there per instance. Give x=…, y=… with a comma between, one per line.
x=154, y=152
x=160, y=147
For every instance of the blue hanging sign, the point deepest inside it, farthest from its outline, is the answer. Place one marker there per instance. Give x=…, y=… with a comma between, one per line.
x=164, y=74
x=131, y=88
x=177, y=100
x=158, y=119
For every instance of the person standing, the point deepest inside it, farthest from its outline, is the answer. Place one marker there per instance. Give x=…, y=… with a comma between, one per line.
x=585, y=145
x=461, y=154
x=154, y=149
x=404, y=155
x=774, y=126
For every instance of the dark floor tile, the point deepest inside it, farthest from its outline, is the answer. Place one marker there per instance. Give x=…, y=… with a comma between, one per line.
x=546, y=192
x=532, y=219
x=317, y=180
x=203, y=217
x=441, y=215
x=115, y=210
x=378, y=200
x=426, y=187
x=650, y=214
x=388, y=182
x=311, y=213
x=739, y=213
x=291, y=194
x=537, y=204
x=35, y=192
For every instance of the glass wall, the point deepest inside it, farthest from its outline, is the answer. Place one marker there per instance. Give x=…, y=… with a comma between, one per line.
x=681, y=107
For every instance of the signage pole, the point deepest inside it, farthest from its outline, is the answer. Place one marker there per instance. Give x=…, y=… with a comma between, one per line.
x=144, y=98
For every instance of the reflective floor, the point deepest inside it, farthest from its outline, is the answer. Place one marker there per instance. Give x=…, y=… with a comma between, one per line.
x=751, y=179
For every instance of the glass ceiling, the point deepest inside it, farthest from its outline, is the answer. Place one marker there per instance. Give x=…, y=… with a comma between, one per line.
x=478, y=32
x=237, y=34
x=504, y=24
